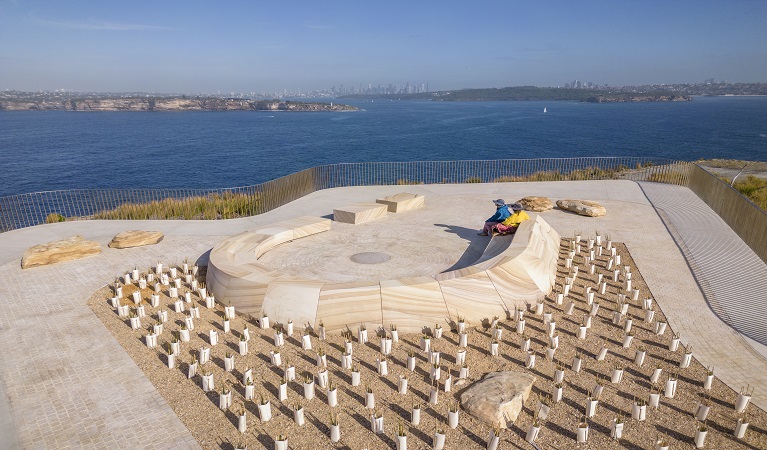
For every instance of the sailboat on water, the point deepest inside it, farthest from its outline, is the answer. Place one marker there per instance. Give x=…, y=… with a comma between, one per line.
x=544, y=109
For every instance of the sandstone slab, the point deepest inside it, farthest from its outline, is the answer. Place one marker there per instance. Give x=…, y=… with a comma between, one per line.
x=402, y=202
x=75, y=247
x=498, y=398
x=536, y=204
x=583, y=207
x=136, y=238
x=359, y=213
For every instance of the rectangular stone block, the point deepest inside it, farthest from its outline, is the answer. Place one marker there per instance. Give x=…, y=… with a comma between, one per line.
x=307, y=225
x=358, y=213
x=403, y=201
x=289, y=230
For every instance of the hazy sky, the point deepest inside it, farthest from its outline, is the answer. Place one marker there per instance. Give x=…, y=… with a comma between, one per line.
x=242, y=46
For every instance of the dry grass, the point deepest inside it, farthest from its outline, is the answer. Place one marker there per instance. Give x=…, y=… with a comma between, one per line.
x=754, y=188
x=669, y=177
x=589, y=173
x=54, y=218
x=733, y=164
x=214, y=206
x=751, y=181
x=405, y=182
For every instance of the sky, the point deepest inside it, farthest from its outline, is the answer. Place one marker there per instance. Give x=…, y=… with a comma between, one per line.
x=267, y=46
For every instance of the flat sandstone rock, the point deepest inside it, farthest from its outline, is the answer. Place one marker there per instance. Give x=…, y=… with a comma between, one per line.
x=498, y=398
x=536, y=204
x=402, y=202
x=54, y=252
x=583, y=207
x=136, y=238
x=359, y=213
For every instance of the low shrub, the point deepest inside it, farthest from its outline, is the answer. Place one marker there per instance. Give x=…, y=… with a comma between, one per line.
x=54, y=218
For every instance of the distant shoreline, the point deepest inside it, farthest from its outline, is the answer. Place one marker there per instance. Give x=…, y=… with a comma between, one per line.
x=733, y=95
x=167, y=104
x=599, y=99
x=532, y=93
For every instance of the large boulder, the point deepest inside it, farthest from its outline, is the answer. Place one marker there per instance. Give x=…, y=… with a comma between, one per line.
x=68, y=249
x=136, y=238
x=583, y=207
x=498, y=398
x=536, y=204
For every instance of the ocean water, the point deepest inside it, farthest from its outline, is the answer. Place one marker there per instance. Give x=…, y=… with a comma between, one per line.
x=52, y=150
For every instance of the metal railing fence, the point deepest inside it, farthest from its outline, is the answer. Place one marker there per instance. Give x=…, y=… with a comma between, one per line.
x=747, y=219
x=25, y=210
x=487, y=171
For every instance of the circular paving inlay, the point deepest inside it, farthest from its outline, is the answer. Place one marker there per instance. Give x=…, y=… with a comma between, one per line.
x=413, y=244
x=370, y=257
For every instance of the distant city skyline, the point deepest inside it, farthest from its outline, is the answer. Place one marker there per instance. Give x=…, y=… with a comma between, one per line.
x=196, y=46
x=707, y=87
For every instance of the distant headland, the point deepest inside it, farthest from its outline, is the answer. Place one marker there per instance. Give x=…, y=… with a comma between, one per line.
x=166, y=104
x=534, y=93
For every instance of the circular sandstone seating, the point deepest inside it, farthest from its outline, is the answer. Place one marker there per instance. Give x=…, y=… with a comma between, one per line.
x=512, y=271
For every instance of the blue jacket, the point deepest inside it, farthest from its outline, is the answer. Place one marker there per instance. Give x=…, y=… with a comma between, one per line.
x=500, y=214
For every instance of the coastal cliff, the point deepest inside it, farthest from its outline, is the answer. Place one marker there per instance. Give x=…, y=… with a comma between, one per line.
x=170, y=104
x=638, y=98
x=533, y=93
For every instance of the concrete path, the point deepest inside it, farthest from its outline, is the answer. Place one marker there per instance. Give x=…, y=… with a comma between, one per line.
x=68, y=383
x=732, y=277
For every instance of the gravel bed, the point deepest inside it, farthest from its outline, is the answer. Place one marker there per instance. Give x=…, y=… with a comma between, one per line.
x=673, y=421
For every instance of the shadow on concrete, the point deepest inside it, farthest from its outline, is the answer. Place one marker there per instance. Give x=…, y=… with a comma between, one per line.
x=475, y=249
x=203, y=259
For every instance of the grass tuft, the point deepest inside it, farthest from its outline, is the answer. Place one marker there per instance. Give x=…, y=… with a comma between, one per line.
x=54, y=218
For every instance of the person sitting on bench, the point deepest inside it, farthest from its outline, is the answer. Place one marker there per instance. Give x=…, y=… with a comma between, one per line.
x=501, y=213
x=509, y=226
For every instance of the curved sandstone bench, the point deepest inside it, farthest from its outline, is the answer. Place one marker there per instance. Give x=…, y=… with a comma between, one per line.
x=512, y=270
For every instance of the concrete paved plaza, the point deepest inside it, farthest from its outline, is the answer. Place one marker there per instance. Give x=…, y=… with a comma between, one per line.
x=65, y=382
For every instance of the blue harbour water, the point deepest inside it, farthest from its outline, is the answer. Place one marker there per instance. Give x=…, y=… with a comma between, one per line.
x=53, y=150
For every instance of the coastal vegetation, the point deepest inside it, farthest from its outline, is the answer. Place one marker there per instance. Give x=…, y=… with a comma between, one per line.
x=734, y=164
x=214, y=206
x=589, y=173
x=754, y=188
x=535, y=93
x=668, y=175
x=750, y=177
